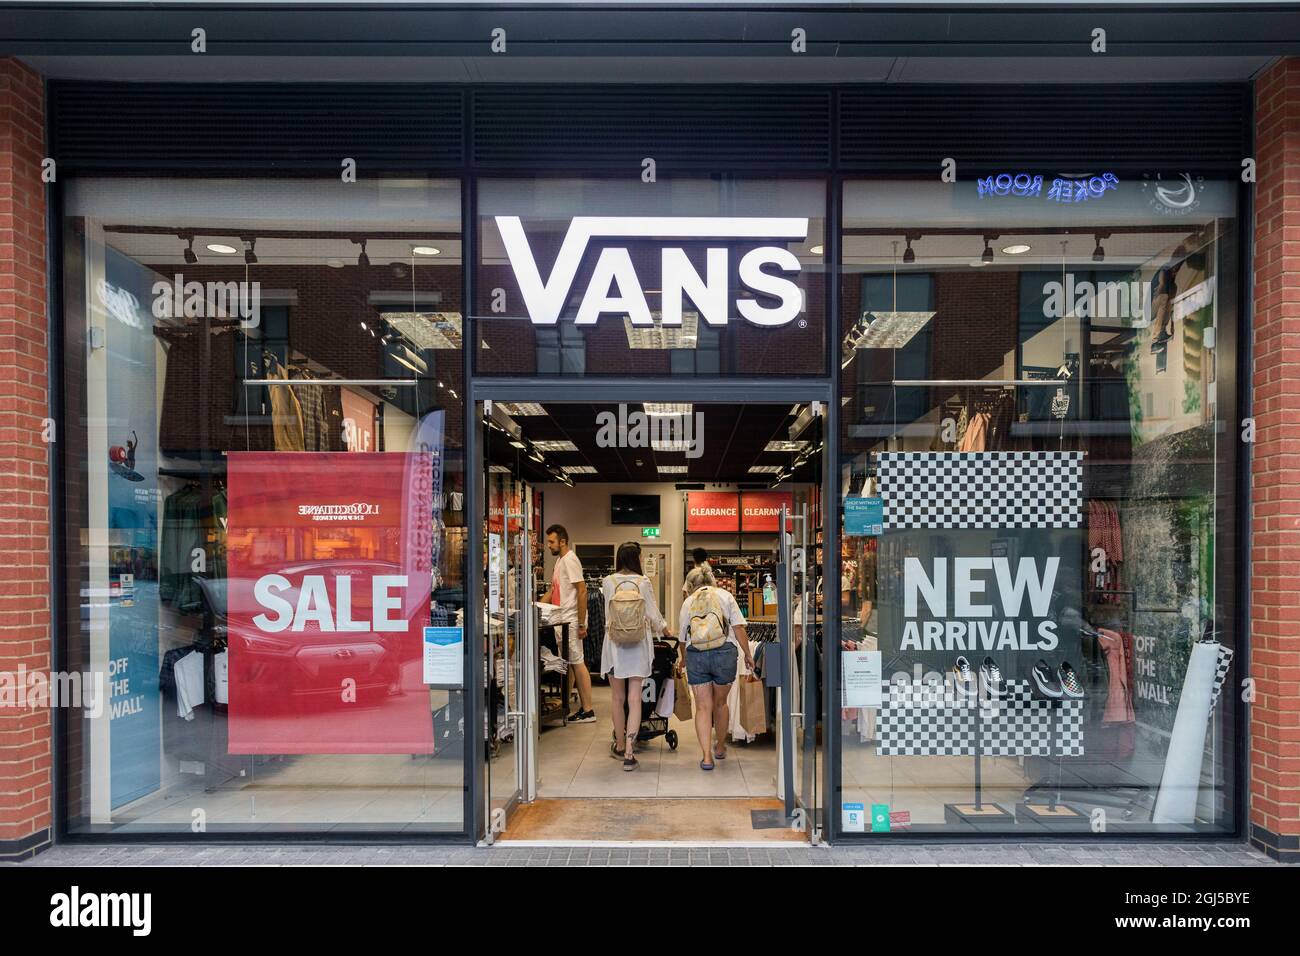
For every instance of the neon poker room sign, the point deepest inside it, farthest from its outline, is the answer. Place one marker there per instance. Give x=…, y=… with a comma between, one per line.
x=616, y=288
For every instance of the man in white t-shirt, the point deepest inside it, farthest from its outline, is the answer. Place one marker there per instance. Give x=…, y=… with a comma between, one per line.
x=569, y=593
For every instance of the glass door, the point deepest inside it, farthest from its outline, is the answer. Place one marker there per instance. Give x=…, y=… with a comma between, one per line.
x=800, y=560
x=510, y=635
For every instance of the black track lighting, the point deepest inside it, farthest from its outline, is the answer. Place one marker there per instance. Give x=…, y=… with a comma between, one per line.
x=250, y=256
x=987, y=255
x=1099, y=254
x=363, y=259
x=190, y=256
x=909, y=254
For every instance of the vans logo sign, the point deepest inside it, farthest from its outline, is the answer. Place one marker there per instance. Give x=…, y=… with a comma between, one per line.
x=615, y=287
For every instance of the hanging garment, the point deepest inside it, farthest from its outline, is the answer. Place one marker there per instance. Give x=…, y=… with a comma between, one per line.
x=976, y=435
x=189, y=684
x=183, y=534
x=286, y=415
x=1119, y=698
x=311, y=399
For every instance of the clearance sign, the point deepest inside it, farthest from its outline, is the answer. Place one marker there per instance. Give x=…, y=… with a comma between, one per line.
x=729, y=511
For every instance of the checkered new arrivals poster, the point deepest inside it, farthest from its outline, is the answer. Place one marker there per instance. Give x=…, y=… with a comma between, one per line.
x=981, y=556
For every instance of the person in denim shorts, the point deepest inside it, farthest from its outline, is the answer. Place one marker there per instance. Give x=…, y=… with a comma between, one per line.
x=711, y=673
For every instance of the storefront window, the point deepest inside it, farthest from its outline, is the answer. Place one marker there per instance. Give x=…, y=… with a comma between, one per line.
x=1036, y=461
x=681, y=277
x=264, y=490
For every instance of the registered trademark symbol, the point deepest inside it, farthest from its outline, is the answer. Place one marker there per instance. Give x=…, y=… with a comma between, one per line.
x=803, y=323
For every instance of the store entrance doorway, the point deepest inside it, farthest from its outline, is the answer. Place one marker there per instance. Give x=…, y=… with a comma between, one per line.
x=577, y=499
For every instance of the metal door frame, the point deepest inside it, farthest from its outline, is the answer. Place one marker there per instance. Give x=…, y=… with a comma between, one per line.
x=700, y=391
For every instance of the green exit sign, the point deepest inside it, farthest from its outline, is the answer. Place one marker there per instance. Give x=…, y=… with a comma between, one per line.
x=649, y=532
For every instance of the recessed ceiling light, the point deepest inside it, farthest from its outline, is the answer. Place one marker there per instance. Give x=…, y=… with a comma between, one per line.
x=551, y=444
x=426, y=250
x=577, y=469
x=817, y=250
x=221, y=249
x=1018, y=249
x=765, y=469
x=665, y=409
x=787, y=446
x=672, y=469
x=522, y=408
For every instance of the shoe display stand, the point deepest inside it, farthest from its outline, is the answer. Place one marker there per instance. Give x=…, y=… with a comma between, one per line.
x=928, y=720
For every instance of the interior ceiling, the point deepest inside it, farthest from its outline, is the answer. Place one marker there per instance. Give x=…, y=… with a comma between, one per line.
x=734, y=438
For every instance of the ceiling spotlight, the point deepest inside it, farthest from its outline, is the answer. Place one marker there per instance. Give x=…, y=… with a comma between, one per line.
x=426, y=251
x=1018, y=249
x=363, y=259
x=909, y=254
x=986, y=257
x=817, y=250
x=1099, y=254
x=221, y=249
x=250, y=256
x=190, y=256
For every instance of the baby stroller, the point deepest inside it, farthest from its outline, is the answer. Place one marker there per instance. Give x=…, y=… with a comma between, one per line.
x=661, y=673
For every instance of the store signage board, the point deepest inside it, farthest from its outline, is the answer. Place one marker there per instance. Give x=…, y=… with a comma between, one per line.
x=616, y=289
x=444, y=656
x=494, y=573
x=864, y=517
x=863, y=686
x=984, y=558
x=1029, y=186
x=853, y=818
x=761, y=510
x=353, y=602
x=712, y=511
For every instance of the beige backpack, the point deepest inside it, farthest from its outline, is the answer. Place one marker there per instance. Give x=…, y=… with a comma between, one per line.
x=627, y=619
x=708, y=620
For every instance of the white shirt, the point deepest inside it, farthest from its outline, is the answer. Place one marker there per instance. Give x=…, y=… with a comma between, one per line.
x=566, y=578
x=730, y=612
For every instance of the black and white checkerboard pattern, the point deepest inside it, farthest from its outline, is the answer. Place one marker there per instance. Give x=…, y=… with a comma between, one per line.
x=1221, y=668
x=922, y=722
x=987, y=489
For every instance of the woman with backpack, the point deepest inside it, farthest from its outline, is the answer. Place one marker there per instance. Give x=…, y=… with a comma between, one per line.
x=632, y=618
x=713, y=630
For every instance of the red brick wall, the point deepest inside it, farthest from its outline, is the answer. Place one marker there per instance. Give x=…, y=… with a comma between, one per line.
x=25, y=756
x=1275, y=520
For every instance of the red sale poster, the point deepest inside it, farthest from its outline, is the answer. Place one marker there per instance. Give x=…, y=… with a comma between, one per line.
x=327, y=602
x=761, y=510
x=712, y=511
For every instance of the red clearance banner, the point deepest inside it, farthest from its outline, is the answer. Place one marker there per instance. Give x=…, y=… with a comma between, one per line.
x=712, y=511
x=761, y=510
x=328, y=600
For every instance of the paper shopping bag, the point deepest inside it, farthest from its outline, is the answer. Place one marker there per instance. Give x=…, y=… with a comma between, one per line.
x=753, y=706
x=682, y=705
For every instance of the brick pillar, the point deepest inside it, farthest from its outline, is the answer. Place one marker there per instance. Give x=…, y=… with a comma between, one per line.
x=25, y=745
x=1275, y=472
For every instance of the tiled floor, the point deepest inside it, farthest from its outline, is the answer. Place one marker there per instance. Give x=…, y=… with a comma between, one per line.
x=574, y=761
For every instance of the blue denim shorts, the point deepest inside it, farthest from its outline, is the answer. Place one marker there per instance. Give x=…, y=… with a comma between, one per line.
x=717, y=666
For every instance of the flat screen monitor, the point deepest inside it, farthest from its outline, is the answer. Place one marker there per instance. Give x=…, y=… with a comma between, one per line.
x=634, y=509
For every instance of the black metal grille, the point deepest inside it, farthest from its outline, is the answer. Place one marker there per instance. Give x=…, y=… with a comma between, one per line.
x=231, y=126
x=916, y=127
x=699, y=129
x=151, y=127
